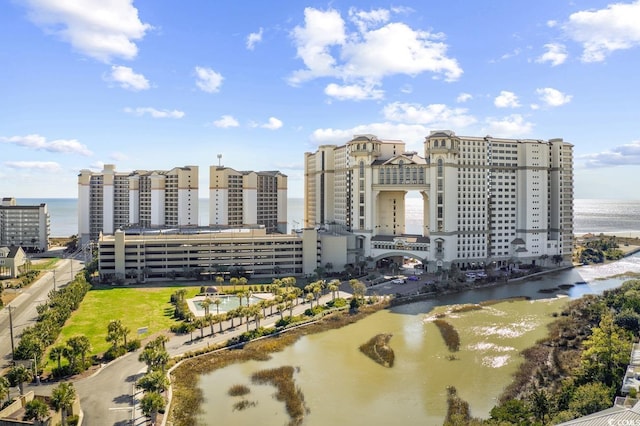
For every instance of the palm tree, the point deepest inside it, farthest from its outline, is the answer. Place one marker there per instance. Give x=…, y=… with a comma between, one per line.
x=234, y=282
x=56, y=353
x=240, y=297
x=333, y=287
x=220, y=318
x=248, y=295
x=161, y=341
x=36, y=410
x=219, y=280
x=209, y=320
x=80, y=345
x=205, y=305
x=5, y=388
x=62, y=398
x=18, y=374
x=243, y=281
x=280, y=308
x=257, y=316
x=151, y=403
x=153, y=381
x=217, y=302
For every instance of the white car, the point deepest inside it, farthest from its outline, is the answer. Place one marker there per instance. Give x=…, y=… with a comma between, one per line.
x=398, y=281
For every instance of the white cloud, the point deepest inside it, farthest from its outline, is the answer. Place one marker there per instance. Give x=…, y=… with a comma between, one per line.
x=434, y=115
x=412, y=134
x=40, y=143
x=604, y=31
x=128, y=79
x=208, y=80
x=464, y=97
x=155, y=113
x=553, y=97
x=556, y=54
x=254, y=38
x=48, y=166
x=374, y=49
x=96, y=28
x=506, y=100
x=273, y=124
x=628, y=154
x=511, y=126
x=354, y=92
x=118, y=156
x=226, y=121
x=551, y=23
x=364, y=20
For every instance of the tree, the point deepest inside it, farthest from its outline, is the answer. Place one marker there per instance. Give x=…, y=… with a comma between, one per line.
x=80, y=345
x=62, y=398
x=37, y=410
x=18, y=375
x=153, y=381
x=155, y=357
x=358, y=289
x=5, y=388
x=56, y=353
x=540, y=405
x=206, y=303
x=217, y=302
x=513, y=411
x=590, y=398
x=606, y=352
x=151, y=403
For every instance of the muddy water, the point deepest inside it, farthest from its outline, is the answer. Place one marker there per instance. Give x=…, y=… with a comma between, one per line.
x=342, y=386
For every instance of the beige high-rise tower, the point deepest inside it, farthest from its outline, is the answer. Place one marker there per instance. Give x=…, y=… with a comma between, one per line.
x=110, y=200
x=485, y=200
x=247, y=198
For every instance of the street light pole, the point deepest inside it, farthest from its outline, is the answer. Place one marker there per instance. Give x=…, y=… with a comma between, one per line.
x=13, y=352
x=54, y=280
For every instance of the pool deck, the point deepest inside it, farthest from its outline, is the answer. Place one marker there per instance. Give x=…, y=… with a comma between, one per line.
x=213, y=308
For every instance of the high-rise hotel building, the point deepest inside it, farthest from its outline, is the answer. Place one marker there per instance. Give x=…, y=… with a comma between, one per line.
x=248, y=198
x=111, y=200
x=485, y=199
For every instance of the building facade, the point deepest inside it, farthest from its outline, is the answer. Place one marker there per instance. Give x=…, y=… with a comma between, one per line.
x=485, y=200
x=111, y=200
x=247, y=251
x=247, y=198
x=26, y=226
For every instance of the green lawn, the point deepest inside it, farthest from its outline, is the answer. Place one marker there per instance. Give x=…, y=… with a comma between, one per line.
x=136, y=307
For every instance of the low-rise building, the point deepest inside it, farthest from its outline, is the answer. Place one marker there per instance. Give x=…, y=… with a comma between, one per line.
x=11, y=259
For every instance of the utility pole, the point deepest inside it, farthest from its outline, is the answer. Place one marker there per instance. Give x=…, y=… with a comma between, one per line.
x=13, y=351
x=54, y=280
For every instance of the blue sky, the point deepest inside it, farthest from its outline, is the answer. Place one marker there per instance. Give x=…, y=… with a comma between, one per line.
x=158, y=84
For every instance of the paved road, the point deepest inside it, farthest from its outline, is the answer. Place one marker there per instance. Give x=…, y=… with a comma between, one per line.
x=23, y=308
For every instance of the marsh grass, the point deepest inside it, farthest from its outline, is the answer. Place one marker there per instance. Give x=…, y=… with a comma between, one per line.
x=239, y=390
x=188, y=397
x=466, y=308
x=286, y=391
x=509, y=299
x=449, y=334
x=241, y=405
x=377, y=348
x=458, y=411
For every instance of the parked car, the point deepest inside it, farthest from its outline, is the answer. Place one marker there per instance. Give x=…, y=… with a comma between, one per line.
x=398, y=281
x=413, y=278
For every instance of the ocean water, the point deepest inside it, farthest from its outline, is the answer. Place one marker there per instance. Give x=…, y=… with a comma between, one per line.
x=621, y=217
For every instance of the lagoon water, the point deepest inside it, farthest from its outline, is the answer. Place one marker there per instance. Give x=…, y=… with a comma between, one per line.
x=342, y=386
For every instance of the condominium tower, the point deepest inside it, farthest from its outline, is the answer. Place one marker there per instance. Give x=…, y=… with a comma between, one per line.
x=486, y=200
x=26, y=226
x=248, y=198
x=111, y=200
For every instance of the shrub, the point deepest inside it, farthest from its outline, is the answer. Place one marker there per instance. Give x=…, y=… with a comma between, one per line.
x=132, y=345
x=114, y=352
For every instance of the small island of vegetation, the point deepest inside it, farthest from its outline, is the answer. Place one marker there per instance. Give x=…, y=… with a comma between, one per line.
x=378, y=349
